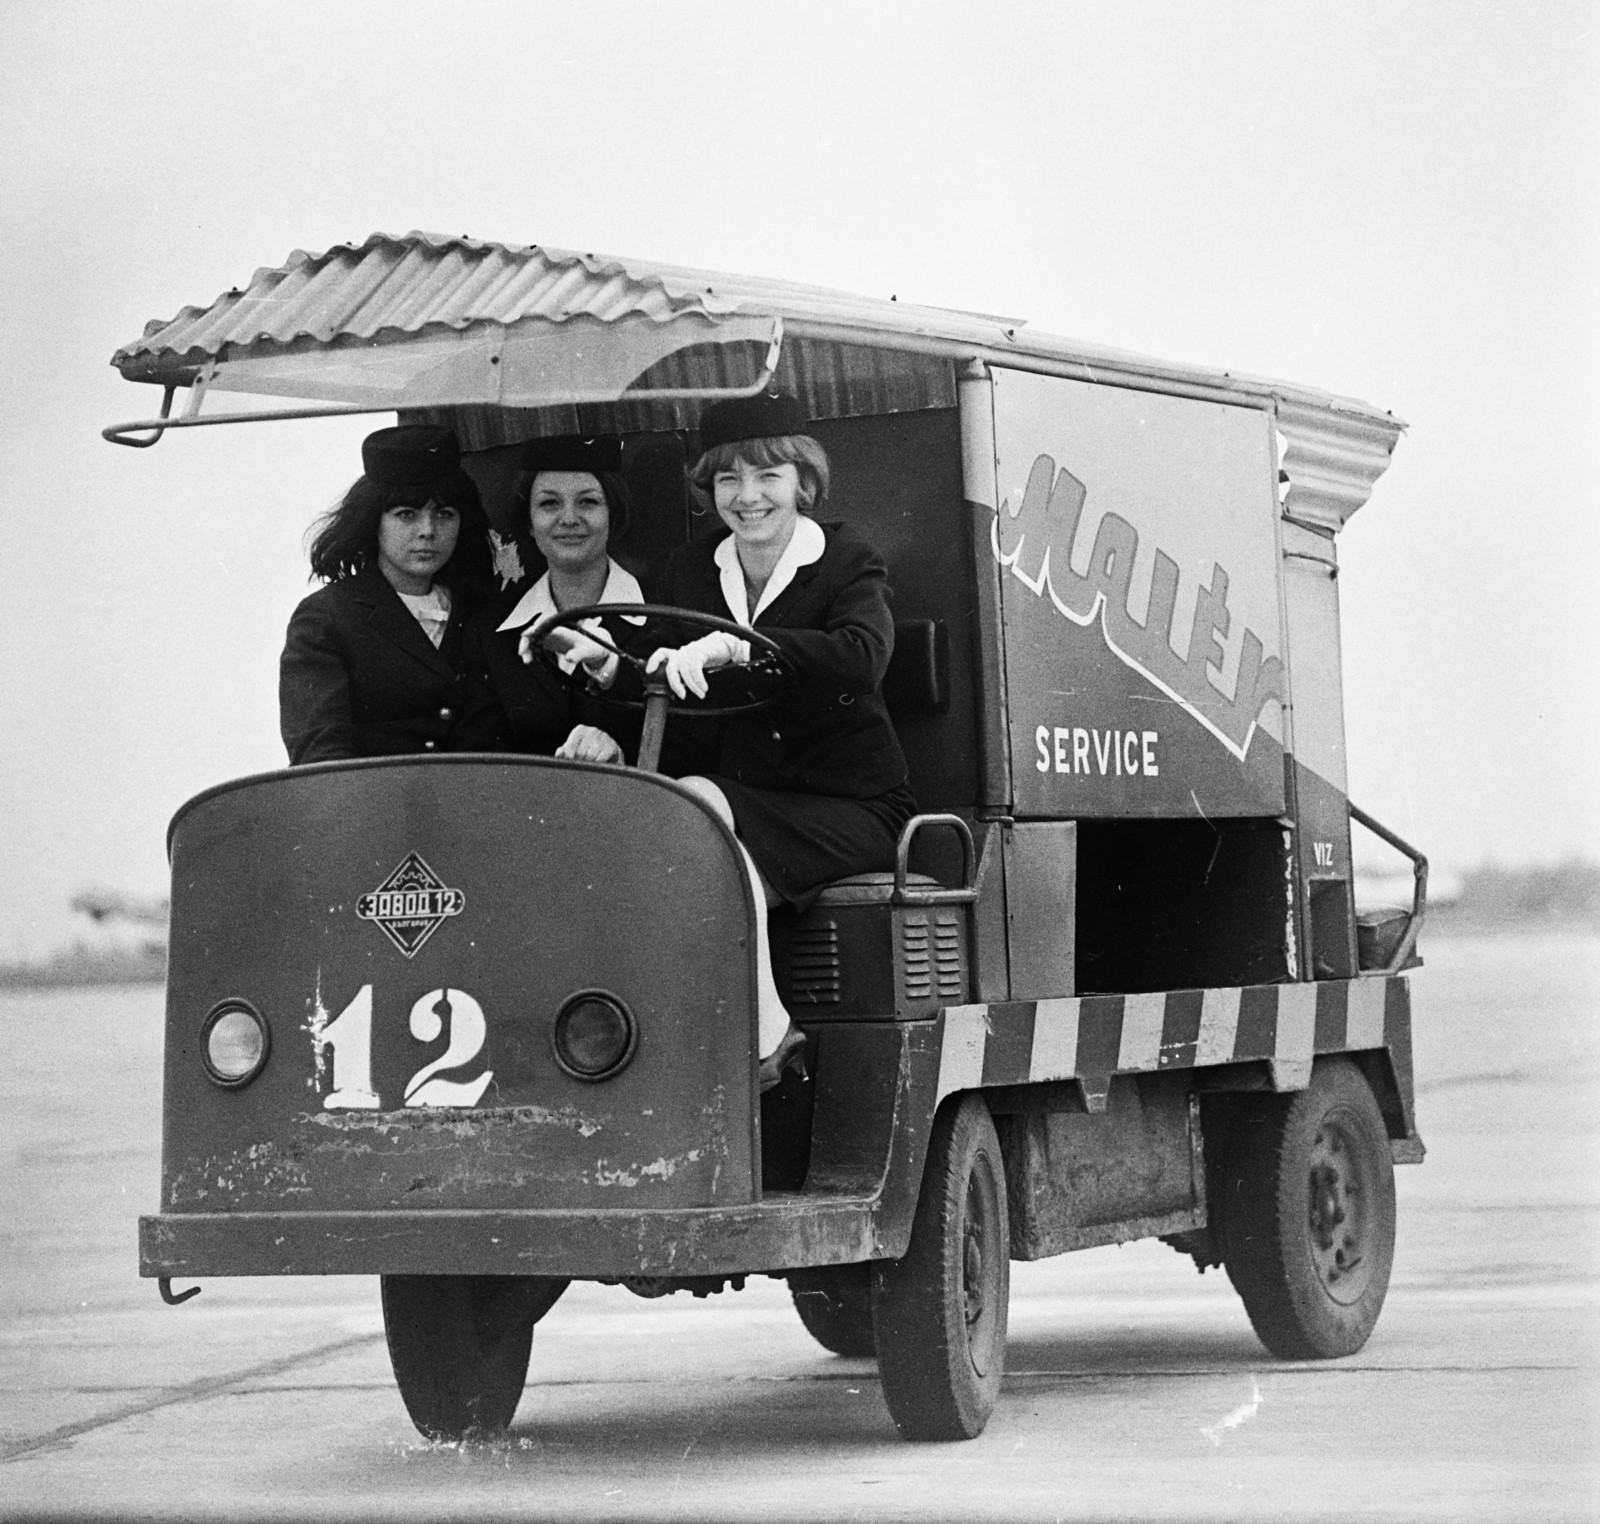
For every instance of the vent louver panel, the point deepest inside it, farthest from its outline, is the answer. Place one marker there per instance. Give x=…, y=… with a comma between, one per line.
x=814, y=964
x=933, y=957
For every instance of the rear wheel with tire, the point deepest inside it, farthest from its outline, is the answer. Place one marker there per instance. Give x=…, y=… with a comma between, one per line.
x=459, y=1345
x=835, y=1304
x=939, y=1314
x=1308, y=1216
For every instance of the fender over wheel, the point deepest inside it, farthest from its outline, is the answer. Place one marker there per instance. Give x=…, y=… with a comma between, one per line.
x=459, y=1345
x=835, y=1304
x=939, y=1314
x=1308, y=1216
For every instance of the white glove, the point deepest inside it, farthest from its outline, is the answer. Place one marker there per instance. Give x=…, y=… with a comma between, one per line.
x=574, y=648
x=587, y=743
x=687, y=666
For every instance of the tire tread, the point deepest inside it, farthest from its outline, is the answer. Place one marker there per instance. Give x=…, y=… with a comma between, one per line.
x=459, y=1347
x=928, y=1382
x=1264, y=1218
x=835, y=1305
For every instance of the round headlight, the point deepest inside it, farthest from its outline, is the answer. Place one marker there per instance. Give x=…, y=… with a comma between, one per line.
x=234, y=1043
x=594, y=1035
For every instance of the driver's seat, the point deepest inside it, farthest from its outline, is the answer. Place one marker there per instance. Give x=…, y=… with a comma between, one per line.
x=855, y=953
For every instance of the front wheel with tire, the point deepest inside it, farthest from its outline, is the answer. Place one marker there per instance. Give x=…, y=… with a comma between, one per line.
x=939, y=1313
x=1308, y=1216
x=459, y=1345
x=835, y=1304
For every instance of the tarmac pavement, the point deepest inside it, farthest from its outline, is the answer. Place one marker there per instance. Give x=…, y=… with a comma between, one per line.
x=1134, y=1390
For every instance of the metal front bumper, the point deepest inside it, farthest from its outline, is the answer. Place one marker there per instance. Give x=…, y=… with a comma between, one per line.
x=782, y=1232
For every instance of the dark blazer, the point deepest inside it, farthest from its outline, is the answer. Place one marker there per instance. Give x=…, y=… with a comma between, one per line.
x=359, y=678
x=829, y=732
x=524, y=706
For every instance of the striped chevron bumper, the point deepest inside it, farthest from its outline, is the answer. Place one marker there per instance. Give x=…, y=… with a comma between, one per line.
x=1091, y=1037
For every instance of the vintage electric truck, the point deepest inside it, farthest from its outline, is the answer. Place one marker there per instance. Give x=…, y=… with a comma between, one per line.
x=482, y=1025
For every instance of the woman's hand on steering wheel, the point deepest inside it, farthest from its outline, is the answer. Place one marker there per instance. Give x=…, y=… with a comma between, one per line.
x=766, y=665
x=573, y=647
x=686, y=666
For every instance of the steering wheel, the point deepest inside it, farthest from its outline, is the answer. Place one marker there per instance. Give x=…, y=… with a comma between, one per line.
x=755, y=685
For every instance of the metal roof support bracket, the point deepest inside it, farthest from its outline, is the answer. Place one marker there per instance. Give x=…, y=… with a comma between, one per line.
x=577, y=398
x=122, y=433
x=769, y=368
x=198, y=389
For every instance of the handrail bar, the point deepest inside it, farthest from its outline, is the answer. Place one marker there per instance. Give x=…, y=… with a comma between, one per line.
x=971, y=869
x=1419, y=886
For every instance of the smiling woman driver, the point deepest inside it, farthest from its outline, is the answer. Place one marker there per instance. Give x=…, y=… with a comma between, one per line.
x=372, y=662
x=814, y=787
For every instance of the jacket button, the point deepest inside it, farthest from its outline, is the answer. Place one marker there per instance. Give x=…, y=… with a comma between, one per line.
x=446, y=714
x=427, y=745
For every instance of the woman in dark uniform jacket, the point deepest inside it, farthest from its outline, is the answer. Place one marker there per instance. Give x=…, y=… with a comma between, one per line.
x=815, y=786
x=371, y=665
x=575, y=505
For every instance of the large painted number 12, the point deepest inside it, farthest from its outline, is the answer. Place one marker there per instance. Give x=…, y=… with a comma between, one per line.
x=349, y=1034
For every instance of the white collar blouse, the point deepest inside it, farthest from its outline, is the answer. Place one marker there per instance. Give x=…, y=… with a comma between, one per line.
x=621, y=587
x=805, y=546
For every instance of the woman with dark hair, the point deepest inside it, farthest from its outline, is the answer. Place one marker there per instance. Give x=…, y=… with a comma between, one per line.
x=372, y=663
x=815, y=787
x=577, y=505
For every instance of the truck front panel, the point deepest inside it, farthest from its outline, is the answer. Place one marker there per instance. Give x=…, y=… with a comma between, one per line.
x=411, y=934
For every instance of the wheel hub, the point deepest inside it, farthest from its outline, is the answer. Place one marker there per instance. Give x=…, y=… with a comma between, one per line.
x=972, y=1274
x=1338, y=1218
x=977, y=1270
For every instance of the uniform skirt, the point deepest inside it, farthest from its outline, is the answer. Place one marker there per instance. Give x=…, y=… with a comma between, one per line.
x=802, y=842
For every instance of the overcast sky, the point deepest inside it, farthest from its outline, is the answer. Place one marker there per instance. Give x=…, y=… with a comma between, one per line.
x=1396, y=201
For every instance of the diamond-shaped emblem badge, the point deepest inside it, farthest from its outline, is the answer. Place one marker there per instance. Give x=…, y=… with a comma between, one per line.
x=411, y=904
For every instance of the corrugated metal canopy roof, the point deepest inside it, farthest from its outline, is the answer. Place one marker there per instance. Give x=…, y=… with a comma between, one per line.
x=425, y=321
x=409, y=285
x=392, y=288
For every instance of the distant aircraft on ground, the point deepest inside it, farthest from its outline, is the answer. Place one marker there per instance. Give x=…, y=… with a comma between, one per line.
x=113, y=905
